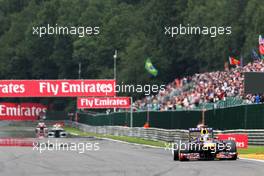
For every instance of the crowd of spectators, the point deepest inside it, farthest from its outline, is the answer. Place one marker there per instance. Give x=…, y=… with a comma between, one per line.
x=210, y=87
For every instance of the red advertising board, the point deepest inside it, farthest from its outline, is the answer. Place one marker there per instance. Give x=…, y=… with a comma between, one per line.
x=241, y=139
x=56, y=88
x=103, y=102
x=21, y=111
x=22, y=142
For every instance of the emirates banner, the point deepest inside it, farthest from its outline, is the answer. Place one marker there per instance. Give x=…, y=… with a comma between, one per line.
x=240, y=139
x=56, y=88
x=21, y=111
x=103, y=102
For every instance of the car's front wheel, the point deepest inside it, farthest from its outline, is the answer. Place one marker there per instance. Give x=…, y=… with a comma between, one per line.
x=232, y=149
x=175, y=153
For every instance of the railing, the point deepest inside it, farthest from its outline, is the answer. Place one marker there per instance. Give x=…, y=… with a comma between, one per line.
x=255, y=137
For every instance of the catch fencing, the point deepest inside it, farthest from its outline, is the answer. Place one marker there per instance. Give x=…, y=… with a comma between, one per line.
x=237, y=117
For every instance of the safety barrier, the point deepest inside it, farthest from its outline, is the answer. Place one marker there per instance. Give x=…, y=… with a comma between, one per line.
x=255, y=137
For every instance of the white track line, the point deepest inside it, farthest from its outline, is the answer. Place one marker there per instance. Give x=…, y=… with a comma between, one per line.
x=124, y=142
x=164, y=148
x=249, y=159
x=151, y=146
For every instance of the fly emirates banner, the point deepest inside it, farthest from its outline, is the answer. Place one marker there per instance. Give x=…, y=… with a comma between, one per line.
x=21, y=111
x=56, y=88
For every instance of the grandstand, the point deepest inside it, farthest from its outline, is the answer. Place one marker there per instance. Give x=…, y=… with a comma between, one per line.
x=209, y=90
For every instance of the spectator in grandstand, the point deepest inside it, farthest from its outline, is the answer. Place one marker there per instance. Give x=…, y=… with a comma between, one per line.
x=210, y=87
x=257, y=98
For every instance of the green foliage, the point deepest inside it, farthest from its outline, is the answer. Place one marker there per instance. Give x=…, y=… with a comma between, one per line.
x=135, y=28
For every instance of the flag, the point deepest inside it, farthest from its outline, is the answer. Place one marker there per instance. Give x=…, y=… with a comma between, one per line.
x=254, y=54
x=233, y=61
x=261, y=49
x=261, y=46
x=150, y=68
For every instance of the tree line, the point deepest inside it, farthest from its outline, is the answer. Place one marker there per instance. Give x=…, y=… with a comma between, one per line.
x=135, y=28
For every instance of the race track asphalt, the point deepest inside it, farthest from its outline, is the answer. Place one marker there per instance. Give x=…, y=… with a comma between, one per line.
x=114, y=159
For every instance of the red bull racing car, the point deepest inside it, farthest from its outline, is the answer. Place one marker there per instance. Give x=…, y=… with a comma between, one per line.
x=201, y=145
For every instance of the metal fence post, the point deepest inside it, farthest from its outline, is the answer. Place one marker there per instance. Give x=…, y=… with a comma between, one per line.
x=131, y=112
x=245, y=117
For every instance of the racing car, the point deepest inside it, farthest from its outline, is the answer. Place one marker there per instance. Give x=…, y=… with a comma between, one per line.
x=57, y=132
x=41, y=130
x=201, y=145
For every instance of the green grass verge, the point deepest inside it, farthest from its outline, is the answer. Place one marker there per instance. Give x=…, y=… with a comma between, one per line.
x=252, y=149
x=120, y=138
x=71, y=130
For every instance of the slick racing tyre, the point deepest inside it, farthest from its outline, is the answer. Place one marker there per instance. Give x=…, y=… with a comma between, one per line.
x=175, y=152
